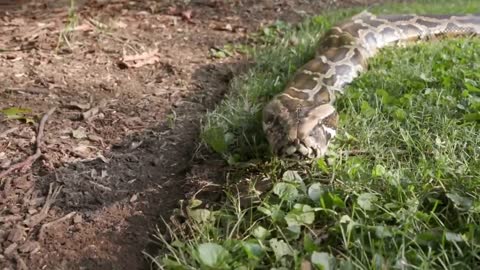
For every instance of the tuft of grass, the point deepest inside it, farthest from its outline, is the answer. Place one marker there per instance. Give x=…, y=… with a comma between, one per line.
x=72, y=21
x=399, y=189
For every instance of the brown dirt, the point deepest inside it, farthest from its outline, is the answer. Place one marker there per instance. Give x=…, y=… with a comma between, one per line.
x=122, y=142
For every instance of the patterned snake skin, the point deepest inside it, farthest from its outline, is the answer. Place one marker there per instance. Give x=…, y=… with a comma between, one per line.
x=301, y=121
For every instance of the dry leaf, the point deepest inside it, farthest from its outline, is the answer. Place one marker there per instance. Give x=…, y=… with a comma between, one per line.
x=227, y=27
x=78, y=105
x=184, y=14
x=187, y=15
x=139, y=60
x=79, y=133
x=120, y=25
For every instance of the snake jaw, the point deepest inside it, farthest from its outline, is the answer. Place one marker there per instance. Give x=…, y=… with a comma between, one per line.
x=276, y=125
x=314, y=145
x=306, y=137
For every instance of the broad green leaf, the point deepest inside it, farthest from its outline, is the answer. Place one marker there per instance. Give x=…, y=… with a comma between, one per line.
x=215, y=138
x=265, y=210
x=323, y=260
x=292, y=176
x=336, y=200
x=366, y=109
x=461, y=202
x=213, y=255
x=280, y=248
x=253, y=250
x=345, y=219
x=346, y=264
x=469, y=84
x=171, y=264
x=378, y=171
x=16, y=113
x=293, y=232
x=322, y=165
x=178, y=244
x=308, y=243
x=301, y=214
x=315, y=191
x=400, y=114
x=201, y=215
x=379, y=261
x=472, y=117
x=453, y=237
x=429, y=238
x=382, y=232
x=330, y=200
x=366, y=201
x=260, y=233
x=385, y=97
x=274, y=211
x=285, y=191
x=194, y=203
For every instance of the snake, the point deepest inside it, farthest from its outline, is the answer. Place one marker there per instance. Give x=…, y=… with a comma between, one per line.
x=302, y=120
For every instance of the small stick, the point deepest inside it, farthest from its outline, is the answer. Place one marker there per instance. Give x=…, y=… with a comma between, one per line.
x=30, y=90
x=8, y=131
x=41, y=233
x=22, y=166
x=51, y=197
x=93, y=111
x=21, y=265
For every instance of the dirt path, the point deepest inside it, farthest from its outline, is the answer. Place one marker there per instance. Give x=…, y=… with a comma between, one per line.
x=122, y=141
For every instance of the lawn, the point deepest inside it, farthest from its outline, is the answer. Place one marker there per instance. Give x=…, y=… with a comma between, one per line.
x=399, y=188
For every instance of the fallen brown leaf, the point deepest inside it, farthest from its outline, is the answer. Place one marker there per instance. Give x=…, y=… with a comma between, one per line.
x=225, y=27
x=187, y=15
x=139, y=60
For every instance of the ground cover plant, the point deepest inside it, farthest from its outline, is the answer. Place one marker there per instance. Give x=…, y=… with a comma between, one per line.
x=399, y=189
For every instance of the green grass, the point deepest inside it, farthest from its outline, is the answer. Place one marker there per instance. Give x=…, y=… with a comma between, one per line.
x=64, y=38
x=400, y=188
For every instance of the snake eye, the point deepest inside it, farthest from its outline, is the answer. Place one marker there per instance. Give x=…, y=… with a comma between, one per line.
x=269, y=118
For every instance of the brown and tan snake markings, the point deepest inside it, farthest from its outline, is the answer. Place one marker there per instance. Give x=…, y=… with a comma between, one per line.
x=302, y=120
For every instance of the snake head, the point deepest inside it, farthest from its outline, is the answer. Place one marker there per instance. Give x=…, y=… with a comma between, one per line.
x=301, y=133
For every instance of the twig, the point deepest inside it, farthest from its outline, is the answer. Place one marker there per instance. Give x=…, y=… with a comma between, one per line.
x=93, y=111
x=41, y=233
x=51, y=197
x=8, y=131
x=21, y=265
x=100, y=186
x=22, y=166
x=30, y=90
x=18, y=49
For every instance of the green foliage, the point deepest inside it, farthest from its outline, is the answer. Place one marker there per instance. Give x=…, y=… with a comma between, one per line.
x=400, y=188
x=15, y=113
x=72, y=21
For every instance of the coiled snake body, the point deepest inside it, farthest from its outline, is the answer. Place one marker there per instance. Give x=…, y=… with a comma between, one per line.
x=301, y=120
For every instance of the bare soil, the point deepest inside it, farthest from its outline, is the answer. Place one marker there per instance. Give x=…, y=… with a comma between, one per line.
x=130, y=81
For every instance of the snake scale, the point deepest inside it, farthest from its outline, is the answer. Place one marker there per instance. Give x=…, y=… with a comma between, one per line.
x=301, y=121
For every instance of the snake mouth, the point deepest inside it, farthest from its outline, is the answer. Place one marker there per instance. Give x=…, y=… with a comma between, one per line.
x=299, y=149
x=313, y=145
x=299, y=136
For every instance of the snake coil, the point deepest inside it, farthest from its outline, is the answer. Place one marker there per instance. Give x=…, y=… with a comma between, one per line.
x=302, y=120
